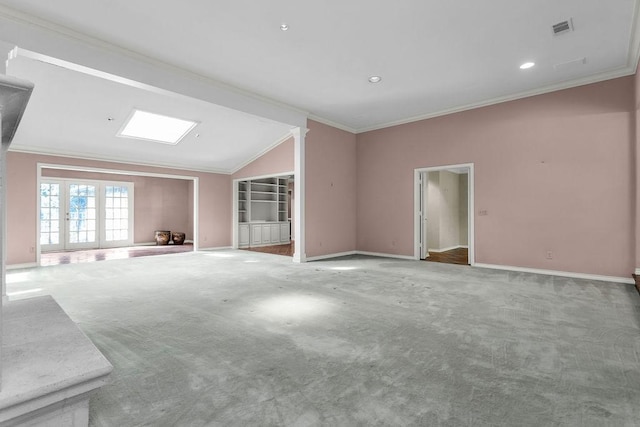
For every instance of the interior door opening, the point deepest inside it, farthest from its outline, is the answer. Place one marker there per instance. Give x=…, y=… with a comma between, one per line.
x=444, y=227
x=263, y=216
x=163, y=202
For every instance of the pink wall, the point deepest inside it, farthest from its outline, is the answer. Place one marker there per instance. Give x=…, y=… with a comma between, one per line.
x=159, y=203
x=277, y=161
x=214, y=202
x=554, y=172
x=330, y=190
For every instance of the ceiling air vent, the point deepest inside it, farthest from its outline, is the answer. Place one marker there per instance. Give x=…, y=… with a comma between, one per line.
x=562, y=27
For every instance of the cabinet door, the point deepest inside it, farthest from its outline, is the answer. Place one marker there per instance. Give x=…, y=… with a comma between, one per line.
x=256, y=234
x=266, y=233
x=284, y=232
x=243, y=235
x=275, y=233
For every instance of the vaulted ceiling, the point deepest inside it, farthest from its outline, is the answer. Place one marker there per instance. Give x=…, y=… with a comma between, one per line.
x=433, y=57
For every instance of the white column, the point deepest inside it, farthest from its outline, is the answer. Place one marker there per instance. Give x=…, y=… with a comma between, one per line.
x=299, y=191
x=3, y=234
x=3, y=217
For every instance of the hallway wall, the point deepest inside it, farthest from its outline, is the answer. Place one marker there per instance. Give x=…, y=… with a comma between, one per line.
x=446, y=212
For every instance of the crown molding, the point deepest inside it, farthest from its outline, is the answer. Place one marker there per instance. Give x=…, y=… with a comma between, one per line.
x=262, y=153
x=609, y=75
x=82, y=156
x=332, y=123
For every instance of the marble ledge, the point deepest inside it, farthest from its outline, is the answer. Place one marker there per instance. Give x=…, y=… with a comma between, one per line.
x=49, y=366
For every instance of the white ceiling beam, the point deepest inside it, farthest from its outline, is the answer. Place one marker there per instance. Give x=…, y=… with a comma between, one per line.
x=51, y=43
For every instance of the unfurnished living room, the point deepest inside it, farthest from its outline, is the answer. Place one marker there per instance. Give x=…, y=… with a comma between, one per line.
x=331, y=213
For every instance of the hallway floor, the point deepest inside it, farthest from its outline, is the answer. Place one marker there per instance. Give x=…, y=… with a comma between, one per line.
x=285, y=250
x=239, y=338
x=455, y=256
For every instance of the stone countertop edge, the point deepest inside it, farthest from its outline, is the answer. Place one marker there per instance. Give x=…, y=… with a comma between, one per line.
x=46, y=358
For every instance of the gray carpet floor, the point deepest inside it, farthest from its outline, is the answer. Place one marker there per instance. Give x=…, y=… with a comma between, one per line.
x=233, y=338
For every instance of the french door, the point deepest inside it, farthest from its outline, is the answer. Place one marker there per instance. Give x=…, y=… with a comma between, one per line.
x=85, y=214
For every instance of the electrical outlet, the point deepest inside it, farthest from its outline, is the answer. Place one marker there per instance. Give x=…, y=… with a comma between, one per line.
x=549, y=255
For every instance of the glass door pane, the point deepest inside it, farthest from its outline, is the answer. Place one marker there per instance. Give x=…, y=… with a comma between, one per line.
x=81, y=216
x=50, y=226
x=116, y=226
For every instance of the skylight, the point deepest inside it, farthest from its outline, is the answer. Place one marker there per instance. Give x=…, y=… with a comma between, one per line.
x=156, y=127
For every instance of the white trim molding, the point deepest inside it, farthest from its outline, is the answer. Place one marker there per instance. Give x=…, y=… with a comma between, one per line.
x=299, y=191
x=628, y=281
x=348, y=253
x=22, y=266
x=383, y=255
x=637, y=272
x=608, y=75
x=328, y=256
x=214, y=248
x=87, y=156
x=332, y=124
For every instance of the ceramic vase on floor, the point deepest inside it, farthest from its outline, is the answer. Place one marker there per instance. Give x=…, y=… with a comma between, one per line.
x=162, y=237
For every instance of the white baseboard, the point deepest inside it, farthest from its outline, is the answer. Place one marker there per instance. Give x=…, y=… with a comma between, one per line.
x=327, y=256
x=155, y=244
x=637, y=272
x=378, y=254
x=449, y=248
x=615, y=279
x=215, y=248
x=21, y=266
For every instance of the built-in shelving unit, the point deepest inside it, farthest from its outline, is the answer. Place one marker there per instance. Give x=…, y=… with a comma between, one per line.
x=263, y=218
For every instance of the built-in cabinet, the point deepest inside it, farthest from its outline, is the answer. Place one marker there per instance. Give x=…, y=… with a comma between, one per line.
x=263, y=218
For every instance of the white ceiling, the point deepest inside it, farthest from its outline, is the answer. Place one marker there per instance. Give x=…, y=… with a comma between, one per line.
x=433, y=56
x=69, y=114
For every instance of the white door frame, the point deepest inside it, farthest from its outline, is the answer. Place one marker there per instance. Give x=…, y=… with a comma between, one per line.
x=471, y=207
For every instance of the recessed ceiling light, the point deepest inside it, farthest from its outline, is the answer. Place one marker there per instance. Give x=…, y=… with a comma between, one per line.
x=156, y=127
x=284, y=27
x=527, y=65
x=375, y=79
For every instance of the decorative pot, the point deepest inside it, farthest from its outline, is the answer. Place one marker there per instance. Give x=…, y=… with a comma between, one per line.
x=178, y=238
x=162, y=237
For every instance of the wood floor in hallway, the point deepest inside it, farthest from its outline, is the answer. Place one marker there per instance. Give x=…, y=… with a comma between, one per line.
x=286, y=250
x=454, y=256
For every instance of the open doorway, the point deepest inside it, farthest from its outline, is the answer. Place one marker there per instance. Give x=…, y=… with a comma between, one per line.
x=89, y=214
x=444, y=214
x=263, y=214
